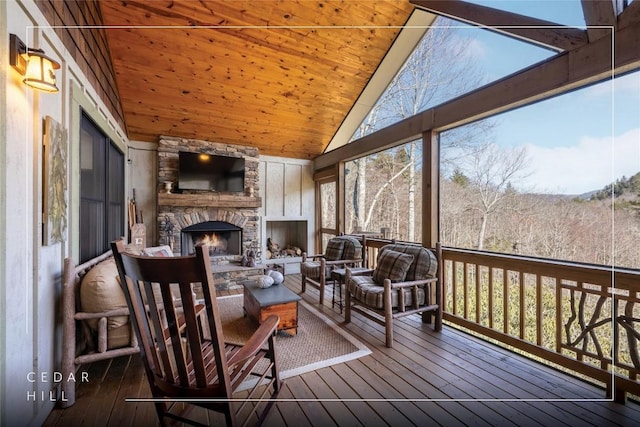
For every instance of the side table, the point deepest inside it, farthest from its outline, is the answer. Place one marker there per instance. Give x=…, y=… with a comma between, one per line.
x=259, y=303
x=338, y=275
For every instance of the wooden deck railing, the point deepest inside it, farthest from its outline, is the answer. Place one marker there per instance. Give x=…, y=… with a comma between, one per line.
x=585, y=318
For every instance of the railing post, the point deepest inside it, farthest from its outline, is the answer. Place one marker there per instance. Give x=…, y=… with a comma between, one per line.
x=615, y=392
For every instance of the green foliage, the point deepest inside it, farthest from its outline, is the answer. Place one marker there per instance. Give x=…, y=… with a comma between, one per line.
x=460, y=178
x=402, y=156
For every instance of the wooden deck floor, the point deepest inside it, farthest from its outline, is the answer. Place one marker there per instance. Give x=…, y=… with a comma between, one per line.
x=428, y=378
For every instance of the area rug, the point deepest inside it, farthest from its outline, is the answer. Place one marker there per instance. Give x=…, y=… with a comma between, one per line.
x=318, y=343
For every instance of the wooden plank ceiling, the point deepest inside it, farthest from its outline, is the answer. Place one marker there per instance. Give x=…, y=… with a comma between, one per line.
x=277, y=75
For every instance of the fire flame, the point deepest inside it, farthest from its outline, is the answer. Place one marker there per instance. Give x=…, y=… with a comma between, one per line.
x=210, y=240
x=213, y=242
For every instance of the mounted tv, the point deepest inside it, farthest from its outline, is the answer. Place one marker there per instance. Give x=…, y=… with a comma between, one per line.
x=199, y=171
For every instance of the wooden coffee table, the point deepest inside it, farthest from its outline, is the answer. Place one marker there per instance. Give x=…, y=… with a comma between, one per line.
x=259, y=303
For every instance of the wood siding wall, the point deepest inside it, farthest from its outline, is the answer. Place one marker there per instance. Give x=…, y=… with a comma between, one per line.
x=88, y=46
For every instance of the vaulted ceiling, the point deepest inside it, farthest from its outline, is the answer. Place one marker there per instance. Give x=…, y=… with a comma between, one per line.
x=293, y=77
x=277, y=75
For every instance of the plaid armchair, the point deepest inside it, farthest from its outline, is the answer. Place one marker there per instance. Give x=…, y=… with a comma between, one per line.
x=407, y=280
x=341, y=252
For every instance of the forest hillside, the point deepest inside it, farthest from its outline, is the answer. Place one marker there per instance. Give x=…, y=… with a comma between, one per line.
x=602, y=227
x=592, y=230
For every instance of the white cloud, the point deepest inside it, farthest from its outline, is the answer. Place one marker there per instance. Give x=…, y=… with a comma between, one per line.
x=476, y=49
x=590, y=165
x=622, y=85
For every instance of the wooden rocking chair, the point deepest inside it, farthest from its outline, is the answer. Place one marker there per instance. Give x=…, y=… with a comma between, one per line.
x=185, y=357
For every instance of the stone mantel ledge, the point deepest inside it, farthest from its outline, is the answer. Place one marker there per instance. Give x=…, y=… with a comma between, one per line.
x=209, y=200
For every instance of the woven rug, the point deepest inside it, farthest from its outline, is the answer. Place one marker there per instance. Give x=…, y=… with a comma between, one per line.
x=318, y=343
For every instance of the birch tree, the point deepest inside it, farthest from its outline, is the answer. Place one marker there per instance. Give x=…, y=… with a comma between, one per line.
x=440, y=68
x=493, y=172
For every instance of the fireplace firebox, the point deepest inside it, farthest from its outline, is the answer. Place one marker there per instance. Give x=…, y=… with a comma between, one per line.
x=222, y=238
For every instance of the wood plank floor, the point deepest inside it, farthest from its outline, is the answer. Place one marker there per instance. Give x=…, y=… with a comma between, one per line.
x=428, y=378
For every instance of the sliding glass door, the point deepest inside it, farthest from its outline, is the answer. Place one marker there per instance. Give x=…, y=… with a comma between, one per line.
x=101, y=191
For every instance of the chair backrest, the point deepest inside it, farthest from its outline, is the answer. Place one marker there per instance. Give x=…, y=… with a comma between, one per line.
x=425, y=263
x=177, y=342
x=343, y=247
x=352, y=247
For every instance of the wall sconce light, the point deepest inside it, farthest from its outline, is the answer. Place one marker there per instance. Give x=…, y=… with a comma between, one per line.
x=37, y=68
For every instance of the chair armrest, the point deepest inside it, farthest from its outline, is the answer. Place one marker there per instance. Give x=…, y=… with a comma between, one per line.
x=350, y=273
x=398, y=285
x=360, y=272
x=306, y=257
x=344, y=261
x=257, y=340
x=85, y=315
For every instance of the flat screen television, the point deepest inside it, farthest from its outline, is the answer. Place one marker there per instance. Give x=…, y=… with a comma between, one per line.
x=199, y=171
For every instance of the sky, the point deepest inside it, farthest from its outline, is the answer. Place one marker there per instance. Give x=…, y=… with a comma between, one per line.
x=577, y=142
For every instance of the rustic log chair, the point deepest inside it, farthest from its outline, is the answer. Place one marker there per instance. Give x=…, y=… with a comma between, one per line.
x=341, y=252
x=79, y=345
x=407, y=280
x=95, y=318
x=184, y=354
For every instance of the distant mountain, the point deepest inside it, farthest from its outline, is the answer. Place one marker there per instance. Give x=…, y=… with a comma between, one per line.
x=588, y=195
x=624, y=188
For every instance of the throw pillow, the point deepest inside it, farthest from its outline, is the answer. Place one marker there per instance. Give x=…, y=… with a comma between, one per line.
x=164, y=251
x=334, y=249
x=100, y=291
x=392, y=265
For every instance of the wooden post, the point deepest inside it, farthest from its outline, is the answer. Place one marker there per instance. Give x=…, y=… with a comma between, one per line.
x=430, y=188
x=340, y=203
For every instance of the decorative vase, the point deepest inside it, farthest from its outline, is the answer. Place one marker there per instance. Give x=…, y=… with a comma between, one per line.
x=168, y=186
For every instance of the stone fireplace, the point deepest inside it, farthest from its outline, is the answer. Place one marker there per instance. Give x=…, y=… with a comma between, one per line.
x=185, y=218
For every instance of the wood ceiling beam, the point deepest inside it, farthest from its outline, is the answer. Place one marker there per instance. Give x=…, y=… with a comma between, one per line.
x=629, y=16
x=565, y=72
x=597, y=14
x=548, y=34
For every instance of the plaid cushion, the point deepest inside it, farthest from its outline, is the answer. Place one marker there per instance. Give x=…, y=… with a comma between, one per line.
x=424, y=263
x=352, y=247
x=365, y=290
x=334, y=249
x=310, y=269
x=392, y=265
